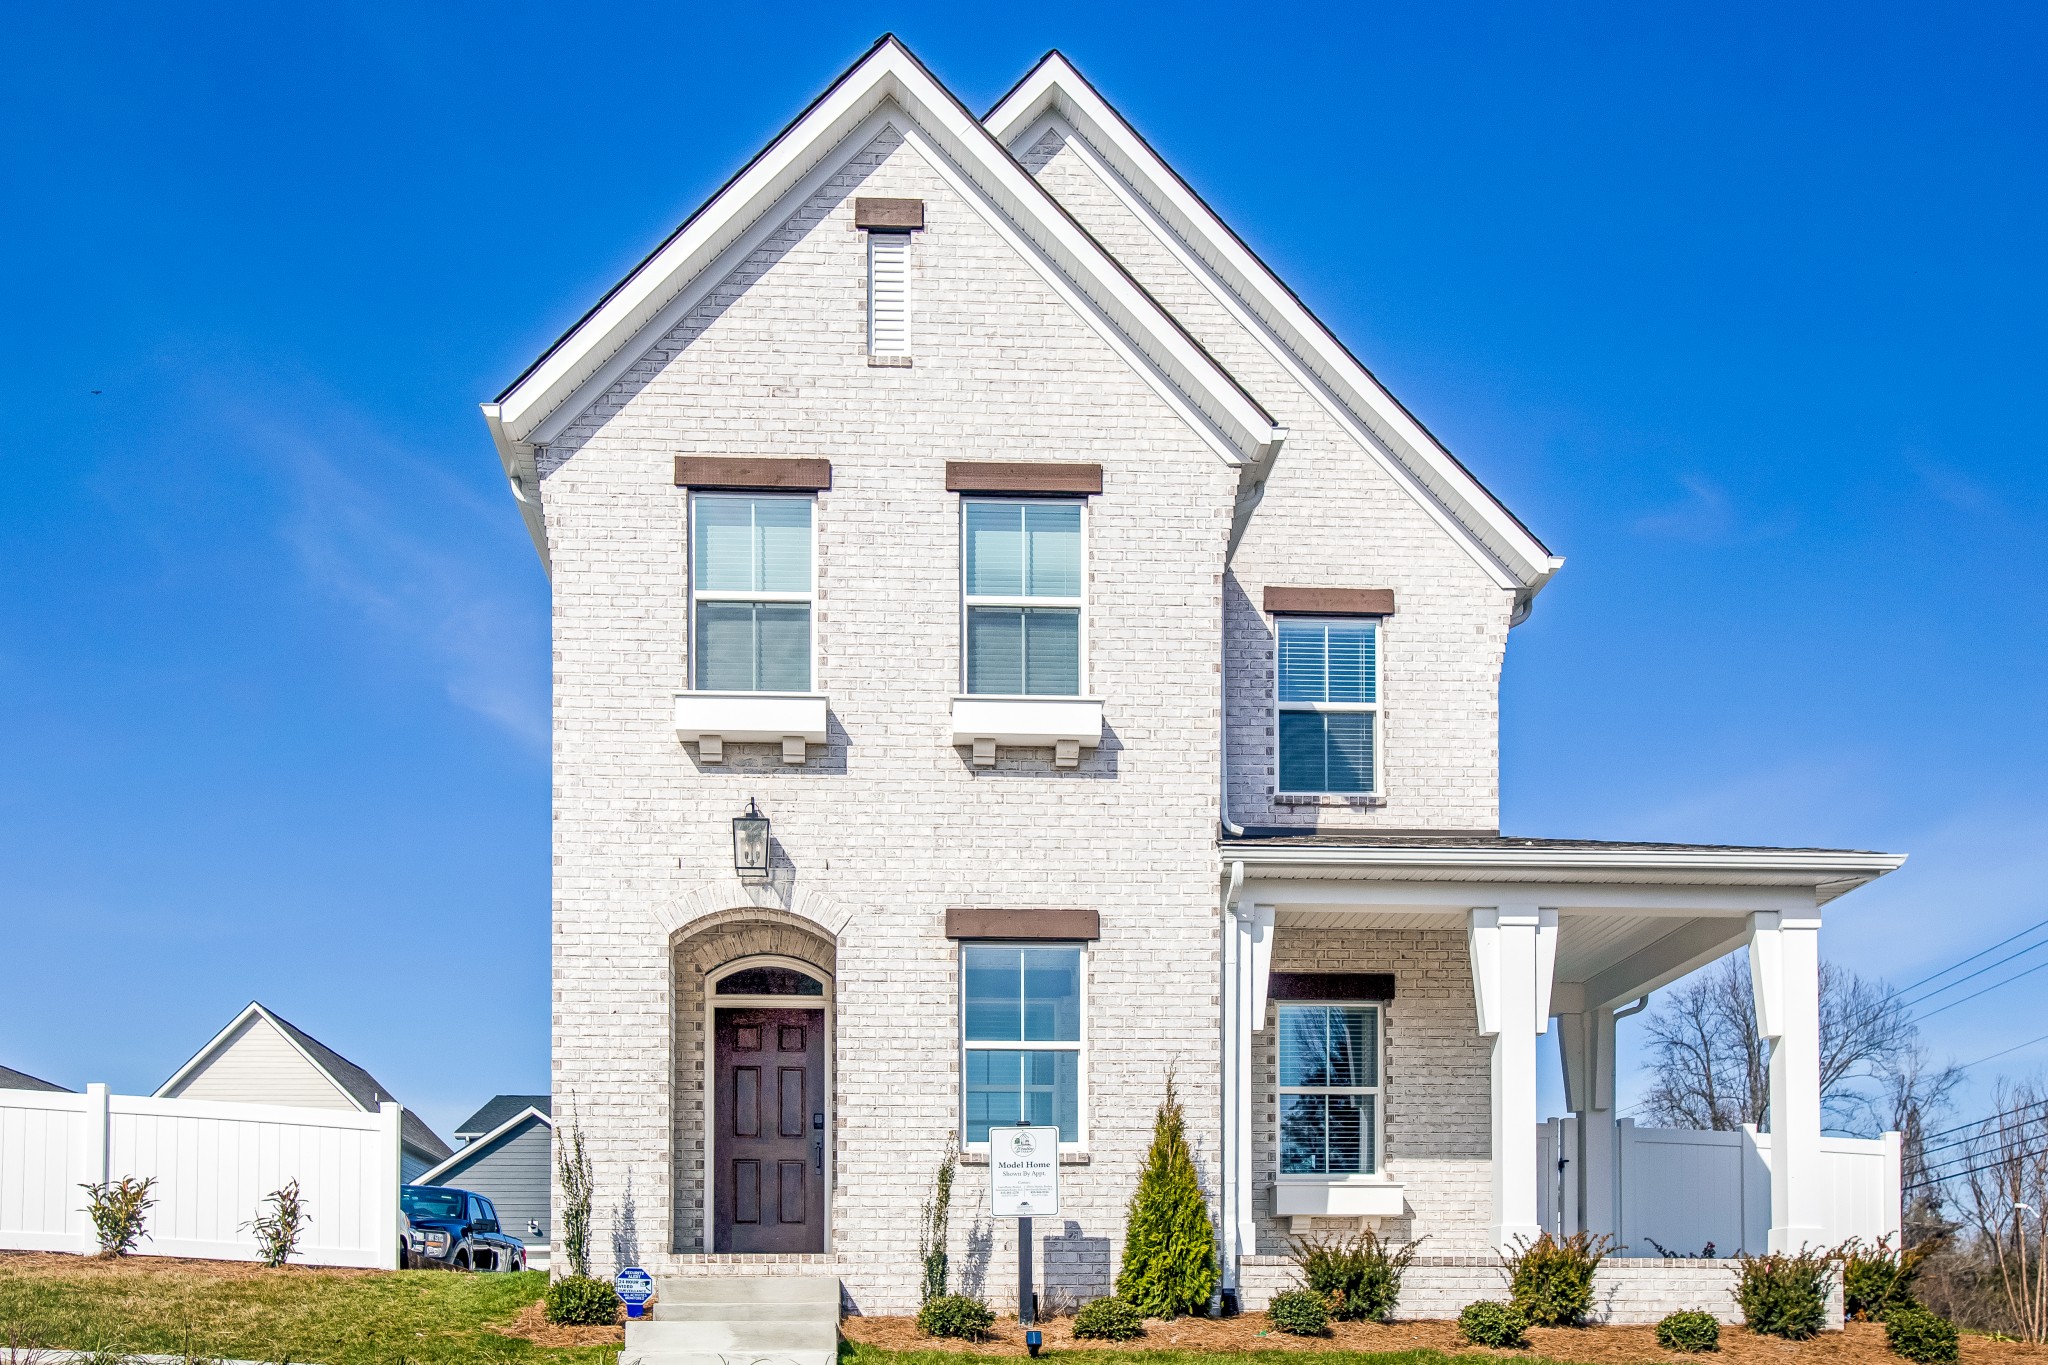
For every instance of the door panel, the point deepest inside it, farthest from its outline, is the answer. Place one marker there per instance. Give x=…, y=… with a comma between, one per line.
x=768, y=1185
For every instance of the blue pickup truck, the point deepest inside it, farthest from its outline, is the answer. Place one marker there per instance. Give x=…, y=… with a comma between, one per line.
x=456, y=1230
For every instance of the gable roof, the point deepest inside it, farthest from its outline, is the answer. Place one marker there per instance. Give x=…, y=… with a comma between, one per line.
x=10, y=1079
x=512, y=1124
x=887, y=85
x=1056, y=89
x=354, y=1082
x=499, y=1108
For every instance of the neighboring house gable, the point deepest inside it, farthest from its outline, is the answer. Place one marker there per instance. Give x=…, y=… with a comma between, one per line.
x=508, y=1164
x=497, y=1111
x=260, y=1058
x=10, y=1079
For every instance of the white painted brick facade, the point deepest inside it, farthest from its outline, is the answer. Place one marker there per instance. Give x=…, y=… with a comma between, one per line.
x=888, y=824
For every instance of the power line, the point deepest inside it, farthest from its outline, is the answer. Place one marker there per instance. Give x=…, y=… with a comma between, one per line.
x=1979, y=1123
x=1996, y=985
x=1974, y=956
x=1958, y=1175
x=1942, y=990
x=2001, y=1052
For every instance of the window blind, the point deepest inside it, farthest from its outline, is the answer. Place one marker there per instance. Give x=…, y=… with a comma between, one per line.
x=889, y=293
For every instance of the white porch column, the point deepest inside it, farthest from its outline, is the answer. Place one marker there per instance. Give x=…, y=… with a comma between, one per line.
x=1585, y=1044
x=1248, y=957
x=1784, y=973
x=1514, y=949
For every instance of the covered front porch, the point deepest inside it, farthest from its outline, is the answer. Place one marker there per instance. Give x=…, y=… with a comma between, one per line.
x=1383, y=999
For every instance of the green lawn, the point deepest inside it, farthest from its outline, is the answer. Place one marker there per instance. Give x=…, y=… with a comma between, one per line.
x=295, y=1315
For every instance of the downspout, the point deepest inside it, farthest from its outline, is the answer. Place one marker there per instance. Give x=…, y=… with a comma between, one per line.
x=1233, y=1010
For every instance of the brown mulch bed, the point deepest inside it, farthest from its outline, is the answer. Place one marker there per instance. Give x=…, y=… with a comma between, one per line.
x=532, y=1325
x=1860, y=1344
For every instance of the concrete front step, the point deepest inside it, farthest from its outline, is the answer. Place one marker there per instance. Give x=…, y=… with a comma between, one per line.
x=738, y=1320
x=635, y=1356
x=665, y=1310
x=732, y=1338
x=784, y=1291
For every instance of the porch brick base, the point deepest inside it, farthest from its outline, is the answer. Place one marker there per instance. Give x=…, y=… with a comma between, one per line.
x=1626, y=1289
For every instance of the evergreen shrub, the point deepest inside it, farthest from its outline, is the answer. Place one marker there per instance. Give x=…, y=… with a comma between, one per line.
x=1300, y=1313
x=1358, y=1277
x=1689, y=1331
x=1785, y=1295
x=1550, y=1280
x=1487, y=1323
x=580, y=1301
x=1876, y=1278
x=955, y=1315
x=1919, y=1335
x=1109, y=1319
x=1169, y=1243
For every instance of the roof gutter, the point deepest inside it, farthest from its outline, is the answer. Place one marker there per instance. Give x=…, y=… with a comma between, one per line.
x=523, y=474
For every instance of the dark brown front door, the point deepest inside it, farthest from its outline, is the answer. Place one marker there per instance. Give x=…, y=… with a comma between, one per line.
x=768, y=1184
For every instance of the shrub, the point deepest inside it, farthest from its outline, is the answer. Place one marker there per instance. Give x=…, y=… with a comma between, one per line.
x=955, y=1315
x=1783, y=1295
x=931, y=1232
x=1487, y=1323
x=1919, y=1335
x=1689, y=1332
x=1877, y=1279
x=1300, y=1313
x=1109, y=1319
x=1169, y=1243
x=278, y=1231
x=579, y=1301
x=1358, y=1276
x=572, y=1168
x=1550, y=1280
x=118, y=1212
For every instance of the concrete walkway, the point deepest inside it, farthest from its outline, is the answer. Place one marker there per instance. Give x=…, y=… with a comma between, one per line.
x=756, y=1320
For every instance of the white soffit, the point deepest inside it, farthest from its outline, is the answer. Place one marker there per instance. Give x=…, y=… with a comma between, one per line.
x=1244, y=283
x=890, y=84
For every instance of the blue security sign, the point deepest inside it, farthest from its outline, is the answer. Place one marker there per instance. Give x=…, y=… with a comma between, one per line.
x=635, y=1288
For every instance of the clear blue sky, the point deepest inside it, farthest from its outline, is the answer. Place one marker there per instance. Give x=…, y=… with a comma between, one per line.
x=1741, y=309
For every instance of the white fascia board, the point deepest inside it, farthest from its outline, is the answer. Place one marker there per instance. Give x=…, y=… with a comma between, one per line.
x=536, y=409
x=455, y=1158
x=207, y=1051
x=1183, y=221
x=522, y=476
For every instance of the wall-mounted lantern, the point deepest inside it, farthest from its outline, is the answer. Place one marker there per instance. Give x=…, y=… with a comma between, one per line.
x=750, y=843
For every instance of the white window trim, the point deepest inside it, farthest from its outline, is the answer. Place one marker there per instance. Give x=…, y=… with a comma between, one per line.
x=1378, y=1173
x=1376, y=709
x=697, y=595
x=1058, y=603
x=1080, y=1142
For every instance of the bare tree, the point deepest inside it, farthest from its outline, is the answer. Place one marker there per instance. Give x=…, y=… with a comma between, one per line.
x=2006, y=1184
x=1712, y=1068
x=1914, y=1095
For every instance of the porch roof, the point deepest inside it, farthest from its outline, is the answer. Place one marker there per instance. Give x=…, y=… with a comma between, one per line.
x=1631, y=916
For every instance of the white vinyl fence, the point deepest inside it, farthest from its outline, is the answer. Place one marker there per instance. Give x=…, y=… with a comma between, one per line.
x=213, y=1165
x=1682, y=1188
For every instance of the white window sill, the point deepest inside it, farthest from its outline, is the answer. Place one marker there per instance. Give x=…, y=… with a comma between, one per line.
x=889, y=362
x=1337, y=799
x=1355, y=1196
x=710, y=720
x=1066, y=725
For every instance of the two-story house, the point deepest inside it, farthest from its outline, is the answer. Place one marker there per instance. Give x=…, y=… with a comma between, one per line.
x=1006, y=648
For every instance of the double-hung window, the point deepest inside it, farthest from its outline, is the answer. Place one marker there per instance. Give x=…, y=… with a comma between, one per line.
x=1022, y=577
x=1329, y=1089
x=1020, y=1017
x=1329, y=701
x=751, y=592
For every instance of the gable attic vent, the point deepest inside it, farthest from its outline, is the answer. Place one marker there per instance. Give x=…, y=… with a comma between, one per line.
x=888, y=293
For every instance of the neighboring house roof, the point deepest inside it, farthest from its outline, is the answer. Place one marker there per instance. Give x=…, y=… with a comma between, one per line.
x=498, y=1109
x=513, y=1122
x=1484, y=855
x=357, y=1084
x=1247, y=286
x=10, y=1079
x=888, y=85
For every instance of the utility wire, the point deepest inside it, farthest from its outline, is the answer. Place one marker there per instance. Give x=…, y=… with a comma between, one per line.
x=1979, y=1123
x=1996, y=985
x=1943, y=990
x=1974, y=956
x=2002, y=1051
x=1958, y=1175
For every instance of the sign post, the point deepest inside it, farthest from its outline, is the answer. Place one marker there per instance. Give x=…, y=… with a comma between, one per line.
x=1024, y=1182
x=635, y=1288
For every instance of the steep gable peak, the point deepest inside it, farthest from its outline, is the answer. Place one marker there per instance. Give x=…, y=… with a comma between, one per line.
x=890, y=84
x=1055, y=93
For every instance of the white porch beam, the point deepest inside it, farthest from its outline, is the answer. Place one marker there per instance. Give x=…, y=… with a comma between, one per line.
x=1453, y=898
x=1511, y=988
x=1784, y=973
